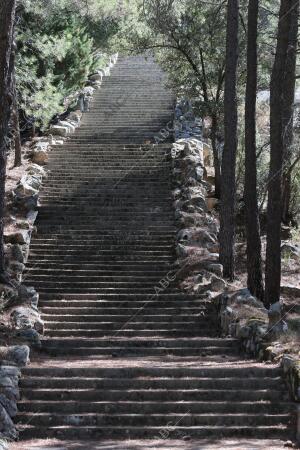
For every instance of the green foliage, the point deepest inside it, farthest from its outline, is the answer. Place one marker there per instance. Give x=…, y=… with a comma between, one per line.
x=59, y=44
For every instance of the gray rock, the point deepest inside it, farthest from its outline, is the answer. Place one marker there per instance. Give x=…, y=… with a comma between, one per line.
x=290, y=290
x=243, y=296
x=39, y=326
x=12, y=393
x=31, y=336
x=290, y=251
x=21, y=318
x=17, y=237
x=9, y=405
x=7, y=427
x=16, y=267
x=68, y=124
x=3, y=444
x=217, y=284
x=215, y=268
x=75, y=116
x=41, y=157
x=59, y=130
x=276, y=324
x=7, y=382
x=36, y=170
x=9, y=371
x=18, y=354
x=8, y=295
x=17, y=253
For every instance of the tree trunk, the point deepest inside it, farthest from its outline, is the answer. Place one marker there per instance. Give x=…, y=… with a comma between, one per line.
x=288, y=114
x=227, y=229
x=254, y=261
x=217, y=165
x=274, y=211
x=7, y=14
x=16, y=128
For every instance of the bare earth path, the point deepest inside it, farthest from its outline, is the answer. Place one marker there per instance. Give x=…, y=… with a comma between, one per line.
x=126, y=365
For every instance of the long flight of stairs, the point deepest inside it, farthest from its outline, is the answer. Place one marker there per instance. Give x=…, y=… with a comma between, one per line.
x=127, y=355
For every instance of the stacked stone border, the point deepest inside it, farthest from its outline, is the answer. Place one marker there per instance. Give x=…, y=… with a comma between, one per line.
x=238, y=314
x=21, y=300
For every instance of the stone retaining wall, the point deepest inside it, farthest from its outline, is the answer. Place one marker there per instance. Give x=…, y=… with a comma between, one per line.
x=238, y=314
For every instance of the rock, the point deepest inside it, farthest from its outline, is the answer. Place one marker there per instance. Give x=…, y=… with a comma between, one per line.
x=17, y=237
x=3, y=444
x=28, y=185
x=21, y=318
x=75, y=116
x=96, y=76
x=9, y=405
x=16, y=267
x=288, y=362
x=37, y=170
x=290, y=290
x=39, y=326
x=244, y=332
x=290, y=251
x=31, y=216
x=88, y=91
x=215, y=268
x=42, y=146
x=40, y=157
x=243, y=296
x=276, y=324
x=19, y=354
x=7, y=382
x=59, y=130
x=7, y=428
x=217, y=284
x=8, y=296
x=67, y=124
x=211, y=203
x=31, y=336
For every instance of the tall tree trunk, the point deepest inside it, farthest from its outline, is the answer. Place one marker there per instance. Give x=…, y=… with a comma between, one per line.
x=217, y=164
x=227, y=230
x=7, y=14
x=16, y=127
x=254, y=261
x=288, y=114
x=274, y=211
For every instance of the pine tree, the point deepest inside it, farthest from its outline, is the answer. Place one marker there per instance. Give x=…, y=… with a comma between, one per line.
x=277, y=95
x=227, y=219
x=254, y=262
x=7, y=14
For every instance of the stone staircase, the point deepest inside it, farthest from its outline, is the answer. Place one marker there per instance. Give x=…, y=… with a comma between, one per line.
x=126, y=355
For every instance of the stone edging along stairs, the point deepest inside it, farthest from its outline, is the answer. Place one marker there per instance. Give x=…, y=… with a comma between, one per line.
x=125, y=353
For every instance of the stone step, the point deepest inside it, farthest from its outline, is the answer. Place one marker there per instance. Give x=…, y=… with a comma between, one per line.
x=194, y=343
x=161, y=304
x=115, y=351
x=85, y=433
x=176, y=332
x=122, y=318
x=109, y=324
x=162, y=395
x=152, y=407
x=248, y=370
x=146, y=383
x=139, y=419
